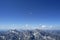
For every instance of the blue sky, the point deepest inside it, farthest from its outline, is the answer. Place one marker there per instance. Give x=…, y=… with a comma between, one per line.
x=30, y=12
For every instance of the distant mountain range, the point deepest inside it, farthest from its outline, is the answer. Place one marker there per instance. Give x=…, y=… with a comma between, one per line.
x=35, y=34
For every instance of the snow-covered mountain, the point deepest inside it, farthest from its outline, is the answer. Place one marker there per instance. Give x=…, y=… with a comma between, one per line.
x=30, y=35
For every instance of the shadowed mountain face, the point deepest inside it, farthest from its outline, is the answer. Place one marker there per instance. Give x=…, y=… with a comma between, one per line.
x=30, y=35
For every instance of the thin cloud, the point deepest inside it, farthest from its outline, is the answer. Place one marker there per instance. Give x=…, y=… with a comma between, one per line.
x=27, y=26
x=30, y=13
